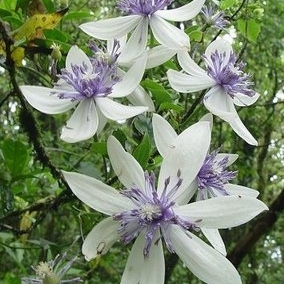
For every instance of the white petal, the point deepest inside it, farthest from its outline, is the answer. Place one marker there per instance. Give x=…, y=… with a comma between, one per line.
x=42, y=99
x=102, y=121
x=76, y=56
x=116, y=111
x=189, y=66
x=158, y=55
x=242, y=131
x=101, y=238
x=208, y=117
x=83, y=123
x=244, y=100
x=113, y=28
x=185, y=83
x=130, y=79
x=139, y=97
x=222, y=46
x=219, y=103
x=143, y=270
x=235, y=189
x=164, y=31
x=231, y=158
x=96, y=194
x=137, y=42
x=222, y=212
x=187, y=156
x=183, y=13
x=127, y=169
x=164, y=135
x=215, y=239
x=205, y=262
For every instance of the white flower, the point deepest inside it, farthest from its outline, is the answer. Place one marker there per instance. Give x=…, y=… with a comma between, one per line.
x=228, y=84
x=52, y=272
x=140, y=14
x=212, y=179
x=90, y=85
x=149, y=213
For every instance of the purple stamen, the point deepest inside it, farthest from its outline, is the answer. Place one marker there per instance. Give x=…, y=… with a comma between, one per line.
x=142, y=7
x=151, y=213
x=227, y=73
x=213, y=176
x=214, y=19
x=86, y=82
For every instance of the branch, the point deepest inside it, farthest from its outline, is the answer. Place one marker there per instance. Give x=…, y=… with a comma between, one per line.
x=260, y=227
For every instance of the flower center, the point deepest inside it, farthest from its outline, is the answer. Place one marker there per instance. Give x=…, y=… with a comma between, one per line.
x=150, y=213
x=213, y=175
x=90, y=82
x=224, y=69
x=142, y=7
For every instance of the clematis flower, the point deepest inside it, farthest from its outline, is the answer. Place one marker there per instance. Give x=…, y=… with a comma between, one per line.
x=90, y=85
x=150, y=212
x=139, y=15
x=229, y=85
x=216, y=19
x=213, y=178
x=52, y=272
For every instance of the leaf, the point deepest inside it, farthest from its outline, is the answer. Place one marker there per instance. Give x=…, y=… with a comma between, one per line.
x=16, y=156
x=225, y=4
x=158, y=92
x=143, y=151
x=250, y=29
x=33, y=27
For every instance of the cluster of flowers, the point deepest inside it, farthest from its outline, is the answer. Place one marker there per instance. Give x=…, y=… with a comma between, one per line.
x=193, y=193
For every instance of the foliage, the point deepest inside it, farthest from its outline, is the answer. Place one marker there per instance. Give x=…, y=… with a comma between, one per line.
x=40, y=217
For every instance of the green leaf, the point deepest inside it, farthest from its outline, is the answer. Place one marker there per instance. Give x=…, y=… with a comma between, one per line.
x=78, y=16
x=159, y=93
x=196, y=35
x=100, y=148
x=250, y=29
x=167, y=105
x=225, y=4
x=143, y=151
x=16, y=156
x=56, y=35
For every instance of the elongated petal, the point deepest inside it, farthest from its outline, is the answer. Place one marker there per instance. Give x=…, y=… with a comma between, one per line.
x=235, y=189
x=102, y=121
x=164, y=135
x=101, y=238
x=130, y=80
x=187, y=156
x=143, y=270
x=158, y=55
x=215, y=239
x=222, y=46
x=183, y=13
x=76, y=56
x=42, y=99
x=127, y=169
x=116, y=111
x=222, y=212
x=139, y=97
x=164, y=31
x=242, y=131
x=205, y=262
x=83, y=123
x=189, y=66
x=185, y=83
x=136, y=44
x=231, y=158
x=113, y=28
x=96, y=194
x=244, y=100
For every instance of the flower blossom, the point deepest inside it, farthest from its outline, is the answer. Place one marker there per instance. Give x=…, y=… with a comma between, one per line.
x=151, y=212
x=90, y=84
x=229, y=85
x=213, y=178
x=214, y=19
x=52, y=272
x=139, y=15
